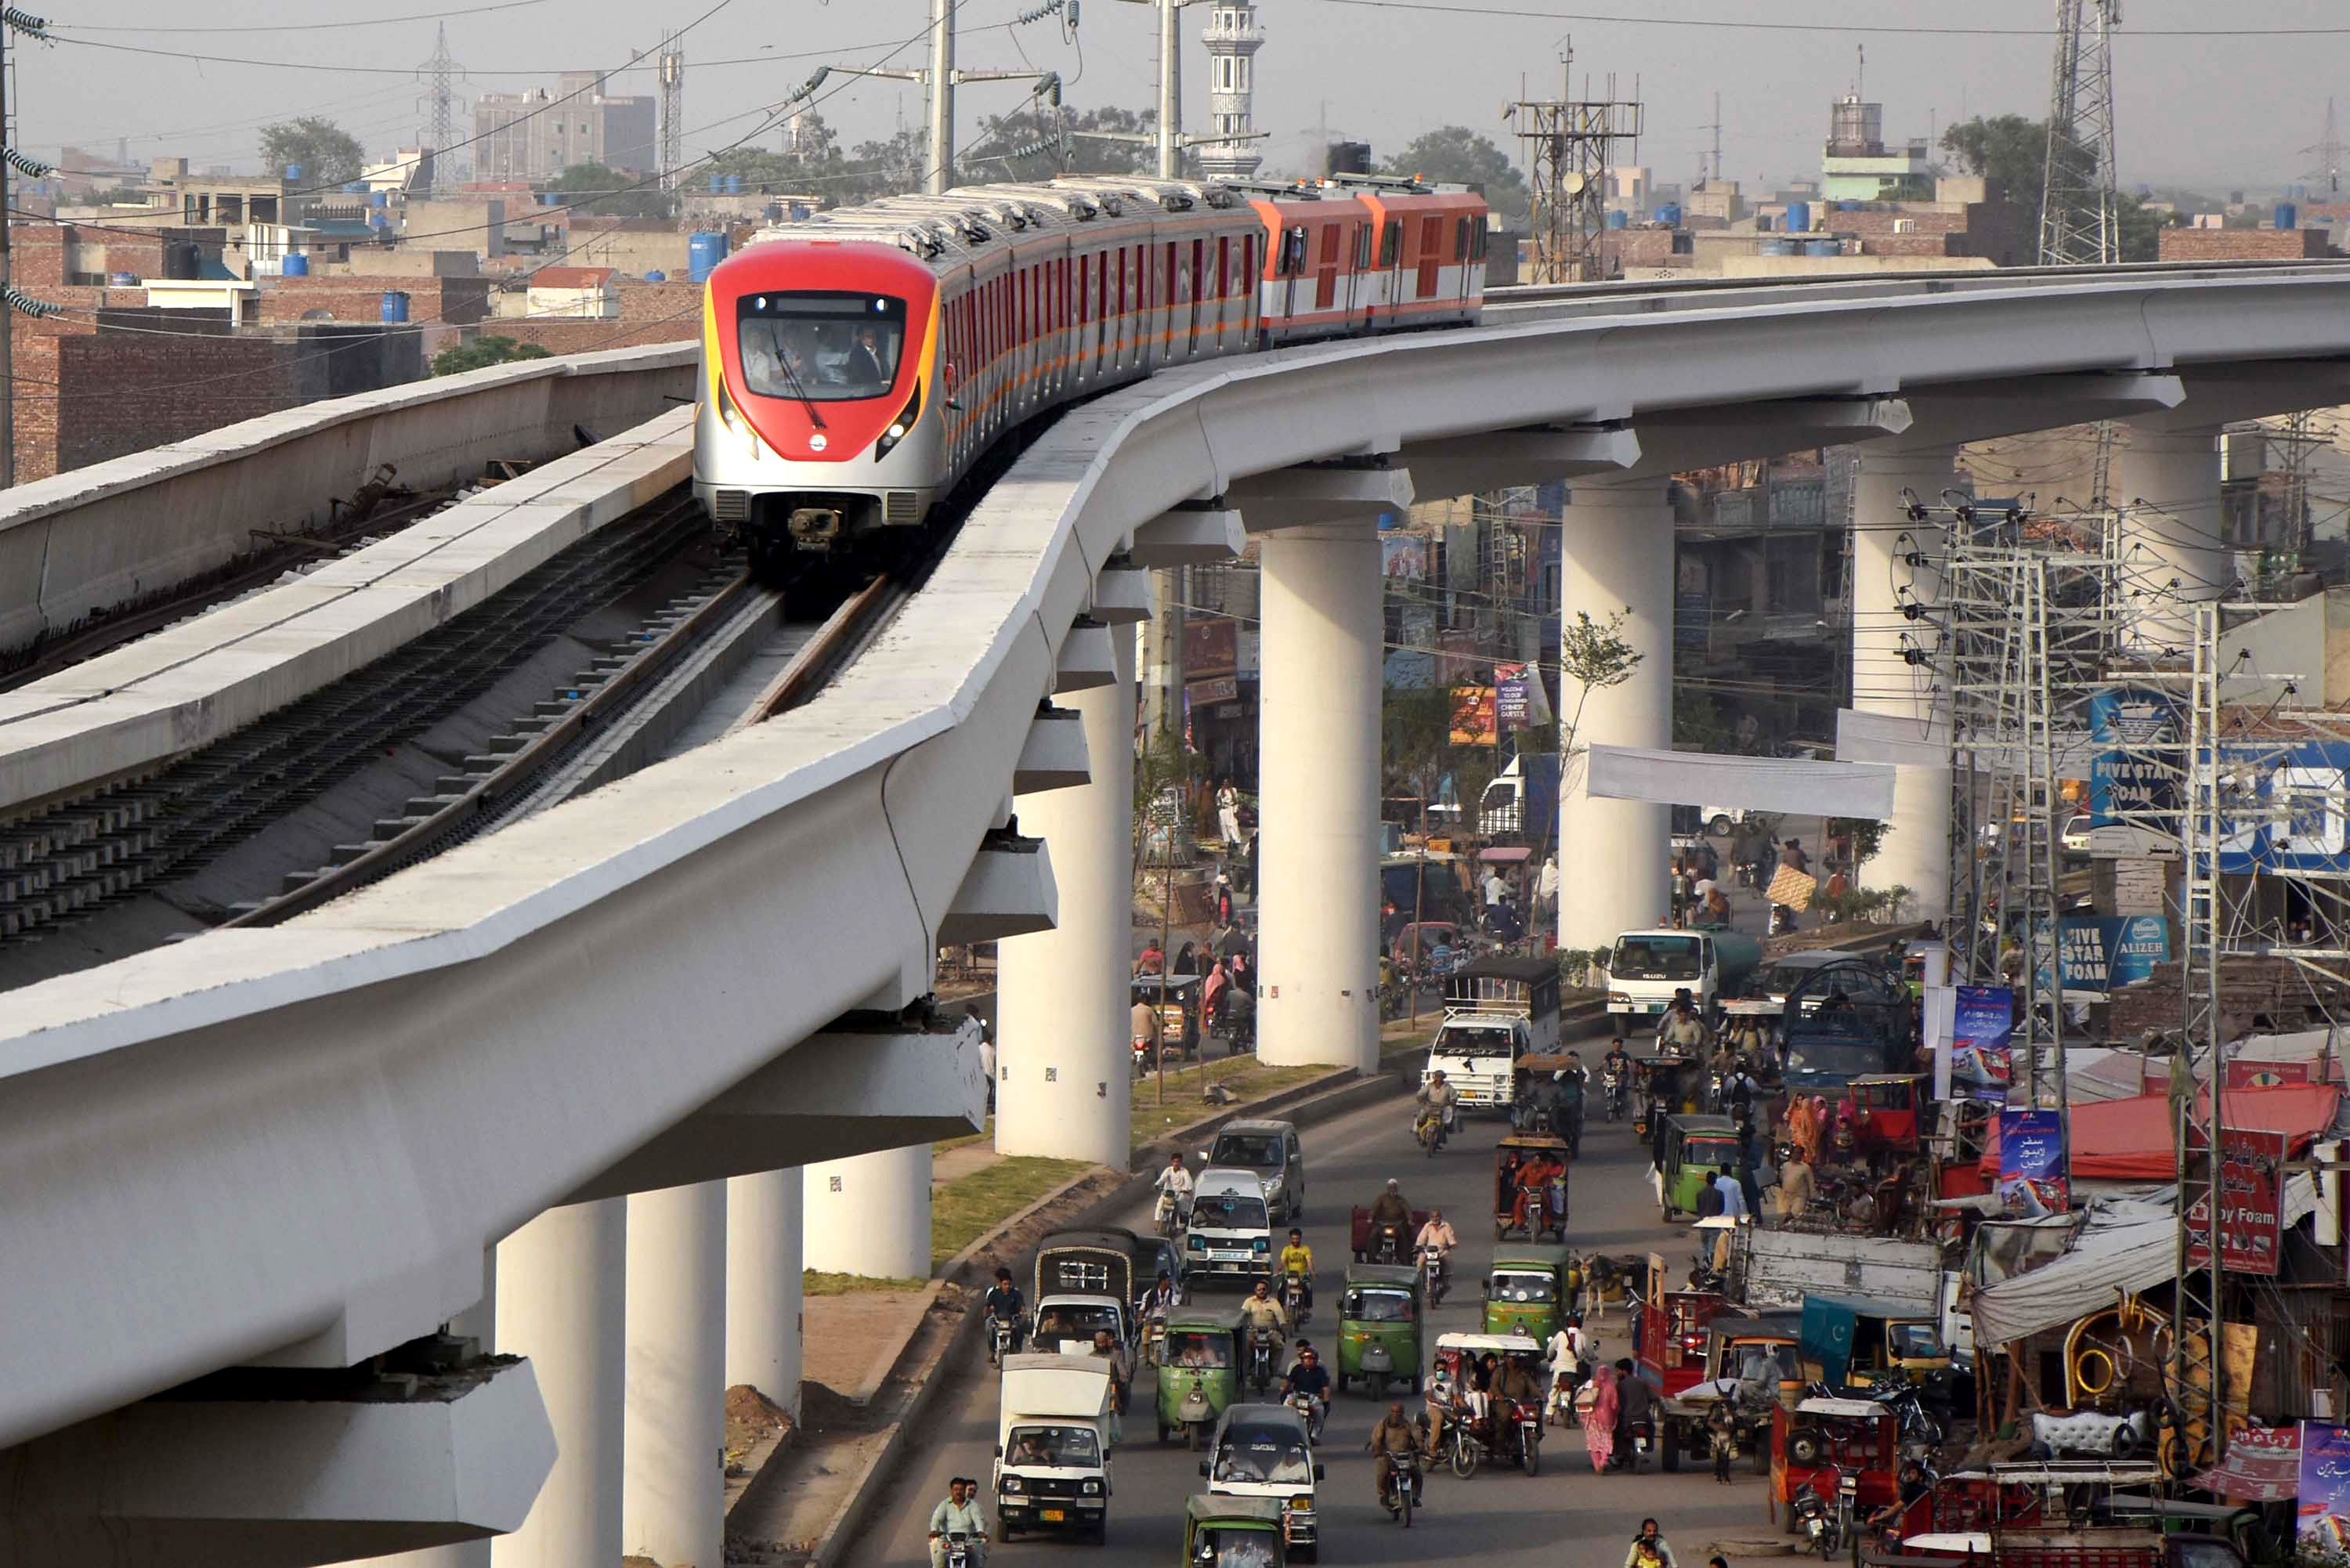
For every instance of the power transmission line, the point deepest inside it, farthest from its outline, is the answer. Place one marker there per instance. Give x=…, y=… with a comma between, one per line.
x=439, y=74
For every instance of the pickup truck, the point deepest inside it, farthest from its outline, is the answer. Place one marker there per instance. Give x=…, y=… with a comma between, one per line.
x=1645, y=968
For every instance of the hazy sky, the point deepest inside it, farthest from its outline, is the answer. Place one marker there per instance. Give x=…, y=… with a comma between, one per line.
x=2224, y=107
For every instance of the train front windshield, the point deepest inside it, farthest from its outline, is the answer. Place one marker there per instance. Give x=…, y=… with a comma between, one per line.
x=820, y=347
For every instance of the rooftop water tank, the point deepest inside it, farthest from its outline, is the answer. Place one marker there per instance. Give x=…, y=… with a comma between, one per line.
x=656, y=277
x=380, y=199
x=395, y=307
x=1822, y=248
x=1799, y=217
x=733, y=184
x=1619, y=220
x=1669, y=215
x=718, y=184
x=2288, y=216
x=1777, y=247
x=293, y=172
x=294, y=267
x=704, y=251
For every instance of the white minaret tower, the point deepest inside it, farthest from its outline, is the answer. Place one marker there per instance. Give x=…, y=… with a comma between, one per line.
x=1232, y=39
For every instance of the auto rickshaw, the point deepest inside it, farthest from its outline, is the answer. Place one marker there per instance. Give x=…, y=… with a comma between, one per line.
x=1198, y=1371
x=1509, y=1436
x=1696, y=1148
x=1380, y=1316
x=1550, y=1218
x=1234, y=1531
x=1177, y=999
x=1525, y=1289
x=1663, y=1086
x=1889, y=1104
x=1823, y=1442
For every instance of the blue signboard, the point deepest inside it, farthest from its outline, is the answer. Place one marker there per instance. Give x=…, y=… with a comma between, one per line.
x=2304, y=821
x=2123, y=784
x=2102, y=953
x=1979, y=1041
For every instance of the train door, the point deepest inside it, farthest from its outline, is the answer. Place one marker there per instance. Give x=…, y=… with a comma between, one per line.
x=1391, y=263
x=1461, y=242
x=1359, y=274
x=1223, y=291
x=1293, y=267
x=1195, y=285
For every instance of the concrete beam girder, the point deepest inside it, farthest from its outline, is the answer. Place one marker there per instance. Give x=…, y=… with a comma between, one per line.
x=1951, y=416
x=1461, y=464
x=1306, y=497
x=279, y=1482
x=1008, y=892
x=1086, y=661
x=846, y=1091
x=1695, y=438
x=1054, y=755
x=1188, y=538
x=2220, y=395
x=1121, y=593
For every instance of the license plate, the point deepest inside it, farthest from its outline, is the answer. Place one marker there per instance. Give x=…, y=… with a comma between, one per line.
x=1054, y=1515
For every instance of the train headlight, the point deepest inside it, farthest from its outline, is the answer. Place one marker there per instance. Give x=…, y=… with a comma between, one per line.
x=900, y=425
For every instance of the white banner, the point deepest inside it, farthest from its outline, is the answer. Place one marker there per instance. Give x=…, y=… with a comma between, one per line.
x=1753, y=783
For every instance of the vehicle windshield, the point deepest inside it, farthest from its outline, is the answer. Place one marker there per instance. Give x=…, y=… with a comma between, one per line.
x=1714, y=1151
x=1200, y=1350
x=1511, y=1287
x=1246, y=1150
x=1763, y=1364
x=1229, y=1211
x=826, y=348
x=1654, y=958
x=1065, y=1322
x=1488, y=1040
x=1850, y=1058
x=1269, y=1455
x=1233, y=1549
x=1913, y=1341
x=1078, y=1446
x=1377, y=1306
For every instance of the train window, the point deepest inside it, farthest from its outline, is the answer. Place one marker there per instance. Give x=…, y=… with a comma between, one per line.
x=1477, y=242
x=1391, y=242
x=1362, y=247
x=820, y=346
x=1293, y=252
x=1085, y=286
x=1224, y=266
x=1461, y=240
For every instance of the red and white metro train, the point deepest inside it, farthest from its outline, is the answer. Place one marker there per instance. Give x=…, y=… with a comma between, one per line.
x=857, y=365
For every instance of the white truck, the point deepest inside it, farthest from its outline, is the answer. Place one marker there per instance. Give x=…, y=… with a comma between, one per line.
x=1497, y=1013
x=1053, y=1440
x=1645, y=968
x=1779, y=1268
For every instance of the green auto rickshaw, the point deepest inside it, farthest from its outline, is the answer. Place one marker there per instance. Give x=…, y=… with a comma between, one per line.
x=1234, y=1531
x=1379, y=1319
x=1198, y=1371
x=1524, y=1290
x=1697, y=1148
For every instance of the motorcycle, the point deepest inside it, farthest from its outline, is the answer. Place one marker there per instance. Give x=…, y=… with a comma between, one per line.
x=1528, y=1420
x=1431, y=1273
x=1386, y=1242
x=1919, y=1430
x=1818, y=1527
x=1461, y=1449
x=1004, y=1333
x=1613, y=1084
x=1265, y=1349
x=1168, y=1215
x=1404, y=1482
x=1632, y=1454
x=1429, y=1130
x=1293, y=1297
x=1154, y=1338
x=958, y=1552
x=1311, y=1411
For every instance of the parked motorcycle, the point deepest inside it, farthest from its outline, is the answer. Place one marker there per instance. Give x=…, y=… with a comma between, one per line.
x=1919, y=1429
x=1815, y=1521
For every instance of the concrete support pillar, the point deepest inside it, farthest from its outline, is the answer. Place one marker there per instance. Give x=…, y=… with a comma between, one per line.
x=763, y=1285
x=1616, y=856
x=1063, y=1078
x=562, y=1299
x=871, y=1215
x=1915, y=853
x=2166, y=481
x=1318, y=789
x=673, y=1498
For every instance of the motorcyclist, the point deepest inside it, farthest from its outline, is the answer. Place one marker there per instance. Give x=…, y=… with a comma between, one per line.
x=1389, y=1208
x=1297, y=1259
x=1394, y=1438
x=1436, y=1099
x=1175, y=1182
x=1005, y=1300
x=959, y=1512
x=1680, y=1030
x=1121, y=1370
x=1311, y=1378
x=1437, y=1233
x=1636, y=1406
x=1263, y=1312
x=1649, y=1549
x=1516, y=1383
x=1158, y=1299
x=1534, y=1178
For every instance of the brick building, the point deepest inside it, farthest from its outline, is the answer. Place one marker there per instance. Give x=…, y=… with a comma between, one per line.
x=459, y=301
x=649, y=313
x=2243, y=244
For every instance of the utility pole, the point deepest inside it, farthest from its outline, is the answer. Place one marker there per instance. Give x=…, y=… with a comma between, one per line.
x=671, y=76
x=1570, y=143
x=1170, y=90
x=939, y=80
x=1714, y=170
x=13, y=21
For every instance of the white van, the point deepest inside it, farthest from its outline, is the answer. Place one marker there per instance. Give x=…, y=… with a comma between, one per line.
x=1052, y=1446
x=1230, y=1231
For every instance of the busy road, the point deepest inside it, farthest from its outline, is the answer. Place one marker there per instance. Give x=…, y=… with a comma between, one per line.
x=1565, y=1515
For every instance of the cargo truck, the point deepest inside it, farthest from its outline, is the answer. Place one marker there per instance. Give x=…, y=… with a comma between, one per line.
x=1645, y=968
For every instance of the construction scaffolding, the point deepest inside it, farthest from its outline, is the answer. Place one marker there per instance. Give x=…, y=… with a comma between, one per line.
x=2027, y=619
x=1570, y=146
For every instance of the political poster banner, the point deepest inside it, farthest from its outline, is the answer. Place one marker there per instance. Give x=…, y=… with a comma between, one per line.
x=2033, y=1179
x=2322, y=1511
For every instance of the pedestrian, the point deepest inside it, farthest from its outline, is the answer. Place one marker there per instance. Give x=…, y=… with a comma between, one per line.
x=1721, y=1432
x=1187, y=959
x=1597, y=1405
x=1546, y=893
x=1228, y=816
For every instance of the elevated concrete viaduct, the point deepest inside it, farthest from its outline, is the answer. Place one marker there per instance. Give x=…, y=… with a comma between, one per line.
x=291, y=1148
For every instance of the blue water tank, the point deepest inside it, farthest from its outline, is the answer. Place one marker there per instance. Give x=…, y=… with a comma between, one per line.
x=1799, y=217
x=395, y=307
x=378, y=220
x=1822, y=248
x=1848, y=206
x=733, y=184
x=718, y=184
x=704, y=251
x=380, y=199
x=2288, y=216
x=656, y=277
x=293, y=172
x=1669, y=215
x=1619, y=220
x=296, y=266
x=1778, y=247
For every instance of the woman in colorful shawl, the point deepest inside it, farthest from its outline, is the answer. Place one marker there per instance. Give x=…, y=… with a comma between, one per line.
x=1599, y=1416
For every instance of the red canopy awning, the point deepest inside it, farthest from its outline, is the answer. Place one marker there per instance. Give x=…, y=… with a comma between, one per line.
x=2129, y=1140
x=2263, y=1465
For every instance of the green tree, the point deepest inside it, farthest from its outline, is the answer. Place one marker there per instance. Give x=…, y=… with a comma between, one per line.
x=2013, y=152
x=1029, y=142
x=1594, y=655
x=328, y=154
x=1456, y=154
x=482, y=352
x=815, y=167
x=888, y=168
x=608, y=193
